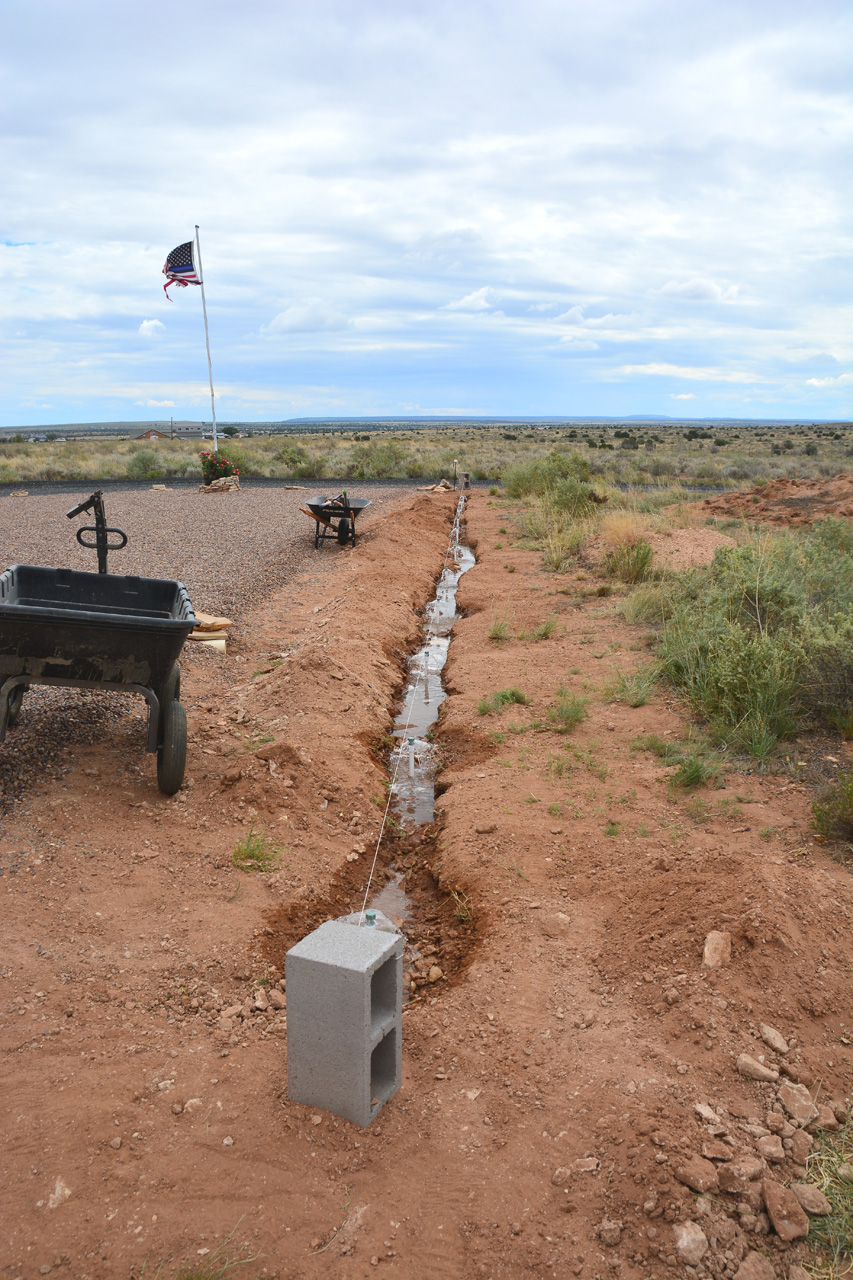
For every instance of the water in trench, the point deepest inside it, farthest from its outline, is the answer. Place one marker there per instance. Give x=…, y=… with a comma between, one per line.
x=413, y=760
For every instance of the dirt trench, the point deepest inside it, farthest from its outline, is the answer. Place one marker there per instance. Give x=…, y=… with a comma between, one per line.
x=551, y=1075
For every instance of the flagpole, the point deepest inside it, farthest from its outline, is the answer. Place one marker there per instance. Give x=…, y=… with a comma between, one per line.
x=207, y=343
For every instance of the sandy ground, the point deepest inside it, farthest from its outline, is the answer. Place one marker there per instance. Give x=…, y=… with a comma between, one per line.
x=788, y=502
x=571, y=1097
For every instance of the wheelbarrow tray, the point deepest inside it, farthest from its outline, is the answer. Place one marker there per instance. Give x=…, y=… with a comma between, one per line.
x=323, y=510
x=68, y=627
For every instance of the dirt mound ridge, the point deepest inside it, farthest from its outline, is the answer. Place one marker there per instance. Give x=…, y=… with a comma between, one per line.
x=788, y=502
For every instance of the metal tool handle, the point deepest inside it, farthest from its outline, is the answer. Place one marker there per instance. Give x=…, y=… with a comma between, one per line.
x=100, y=529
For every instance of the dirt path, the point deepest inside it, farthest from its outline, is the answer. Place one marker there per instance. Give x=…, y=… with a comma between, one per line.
x=547, y=1120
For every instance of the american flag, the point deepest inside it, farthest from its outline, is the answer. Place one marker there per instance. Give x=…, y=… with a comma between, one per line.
x=180, y=267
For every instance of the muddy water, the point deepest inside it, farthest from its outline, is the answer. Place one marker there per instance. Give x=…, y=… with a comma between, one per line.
x=412, y=761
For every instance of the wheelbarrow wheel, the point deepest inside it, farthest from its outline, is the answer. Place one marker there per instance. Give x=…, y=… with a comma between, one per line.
x=172, y=754
x=16, y=697
x=171, y=691
x=343, y=532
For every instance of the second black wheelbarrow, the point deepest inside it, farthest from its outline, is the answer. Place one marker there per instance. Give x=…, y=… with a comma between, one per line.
x=98, y=631
x=335, y=517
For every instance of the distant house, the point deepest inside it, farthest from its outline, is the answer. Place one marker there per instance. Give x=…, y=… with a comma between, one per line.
x=152, y=434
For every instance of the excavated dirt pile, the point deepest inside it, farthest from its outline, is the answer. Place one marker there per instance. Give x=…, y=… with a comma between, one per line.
x=629, y=1020
x=794, y=502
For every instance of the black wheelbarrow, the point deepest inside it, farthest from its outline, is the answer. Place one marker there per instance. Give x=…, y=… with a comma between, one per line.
x=98, y=631
x=335, y=517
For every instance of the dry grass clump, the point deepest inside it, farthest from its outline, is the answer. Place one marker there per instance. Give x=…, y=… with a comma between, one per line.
x=626, y=528
x=830, y=1168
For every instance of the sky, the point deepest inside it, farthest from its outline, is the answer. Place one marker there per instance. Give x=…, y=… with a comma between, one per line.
x=476, y=207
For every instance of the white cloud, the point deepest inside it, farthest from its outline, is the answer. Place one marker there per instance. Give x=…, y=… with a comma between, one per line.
x=698, y=290
x=843, y=380
x=684, y=395
x=308, y=316
x=479, y=300
x=682, y=371
x=627, y=163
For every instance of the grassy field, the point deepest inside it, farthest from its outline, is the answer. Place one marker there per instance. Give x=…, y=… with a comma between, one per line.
x=733, y=457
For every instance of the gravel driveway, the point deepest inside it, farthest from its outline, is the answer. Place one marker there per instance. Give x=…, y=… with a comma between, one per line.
x=229, y=550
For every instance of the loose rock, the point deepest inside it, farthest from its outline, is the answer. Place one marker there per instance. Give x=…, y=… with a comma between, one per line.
x=755, y=1070
x=797, y=1101
x=691, y=1243
x=786, y=1213
x=698, y=1174
x=771, y=1148
x=811, y=1198
x=755, y=1267
x=771, y=1037
x=823, y=1119
x=801, y=1145
x=609, y=1232
x=718, y=950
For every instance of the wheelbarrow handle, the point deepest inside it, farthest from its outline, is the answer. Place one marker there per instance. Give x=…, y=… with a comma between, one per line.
x=85, y=505
x=111, y=546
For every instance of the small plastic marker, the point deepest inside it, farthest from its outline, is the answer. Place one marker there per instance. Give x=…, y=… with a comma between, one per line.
x=370, y=919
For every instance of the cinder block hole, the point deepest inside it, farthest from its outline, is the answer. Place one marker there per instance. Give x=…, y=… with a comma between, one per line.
x=383, y=1069
x=383, y=994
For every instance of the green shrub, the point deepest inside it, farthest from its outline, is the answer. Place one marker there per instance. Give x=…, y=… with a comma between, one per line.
x=630, y=564
x=145, y=464
x=833, y=811
x=539, y=475
x=763, y=638
x=650, y=603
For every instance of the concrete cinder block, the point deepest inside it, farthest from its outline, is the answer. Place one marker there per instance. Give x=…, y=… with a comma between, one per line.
x=345, y=1019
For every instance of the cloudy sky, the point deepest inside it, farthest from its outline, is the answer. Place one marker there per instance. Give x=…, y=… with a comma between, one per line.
x=425, y=207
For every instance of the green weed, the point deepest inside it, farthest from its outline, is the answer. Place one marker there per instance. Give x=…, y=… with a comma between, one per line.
x=570, y=709
x=463, y=909
x=629, y=564
x=635, y=688
x=693, y=772
x=833, y=811
x=256, y=852
x=503, y=698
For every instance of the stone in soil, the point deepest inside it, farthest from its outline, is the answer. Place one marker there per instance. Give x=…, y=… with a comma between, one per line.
x=718, y=949
x=797, y=1101
x=811, y=1198
x=698, y=1174
x=691, y=1243
x=753, y=1070
x=771, y=1037
x=786, y=1213
x=771, y=1148
x=755, y=1267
